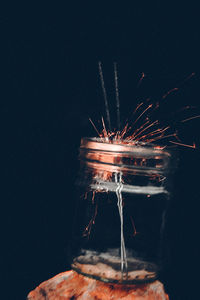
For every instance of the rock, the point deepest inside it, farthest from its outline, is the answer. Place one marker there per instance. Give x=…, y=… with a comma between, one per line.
x=71, y=286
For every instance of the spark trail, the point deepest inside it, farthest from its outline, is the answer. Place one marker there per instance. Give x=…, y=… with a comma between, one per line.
x=117, y=96
x=105, y=96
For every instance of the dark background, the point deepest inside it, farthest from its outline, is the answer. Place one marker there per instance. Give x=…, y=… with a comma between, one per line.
x=51, y=87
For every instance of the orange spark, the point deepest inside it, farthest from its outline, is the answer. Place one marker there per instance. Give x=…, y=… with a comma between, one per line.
x=169, y=92
x=191, y=118
x=144, y=111
x=136, y=131
x=155, y=132
x=188, y=78
x=184, y=145
x=152, y=124
x=134, y=228
x=138, y=106
x=94, y=127
x=162, y=137
x=88, y=228
x=124, y=131
x=141, y=78
x=104, y=128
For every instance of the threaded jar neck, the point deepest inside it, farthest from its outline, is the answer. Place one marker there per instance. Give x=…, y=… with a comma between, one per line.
x=143, y=167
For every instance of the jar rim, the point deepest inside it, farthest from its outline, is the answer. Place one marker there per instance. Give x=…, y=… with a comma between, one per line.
x=122, y=146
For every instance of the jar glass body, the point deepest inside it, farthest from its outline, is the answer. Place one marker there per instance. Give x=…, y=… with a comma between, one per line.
x=122, y=199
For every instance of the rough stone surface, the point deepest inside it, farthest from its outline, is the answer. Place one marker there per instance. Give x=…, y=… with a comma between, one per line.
x=71, y=286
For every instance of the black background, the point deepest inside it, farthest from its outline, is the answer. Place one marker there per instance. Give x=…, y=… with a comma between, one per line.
x=51, y=87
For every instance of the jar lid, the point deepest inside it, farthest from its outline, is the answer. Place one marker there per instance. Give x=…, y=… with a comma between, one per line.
x=123, y=146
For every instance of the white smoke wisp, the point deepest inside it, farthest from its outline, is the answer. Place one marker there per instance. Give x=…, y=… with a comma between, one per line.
x=124, y=264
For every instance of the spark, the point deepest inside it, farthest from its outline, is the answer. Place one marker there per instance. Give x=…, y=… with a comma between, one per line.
x=191, y=118
x=169, y=92
x=134, y=112
x=155, y=132
x=176, y=88
x=138, y=106
x=117, y=95
x=141, y=79
x=94, y=127
x=184, y=145
x=188, y=78
x=140, y=128
x=162, y=137
x=134, y=228
x=144, y=111
x=124, y=131
x=105, y=96
x=88, y=228
x=152, y=124
x=104, y=129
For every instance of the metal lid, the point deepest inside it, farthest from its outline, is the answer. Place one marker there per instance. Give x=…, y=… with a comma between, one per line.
x=126, y=147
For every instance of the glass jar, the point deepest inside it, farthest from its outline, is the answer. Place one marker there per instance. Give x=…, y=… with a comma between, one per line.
x=123, y=194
